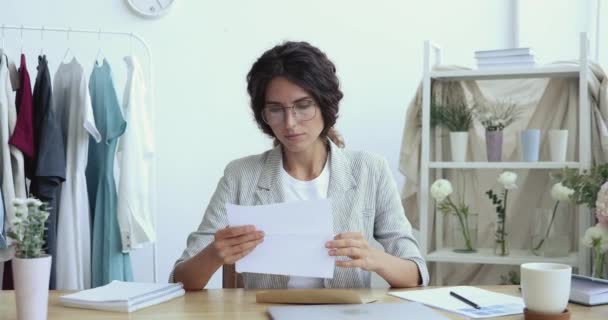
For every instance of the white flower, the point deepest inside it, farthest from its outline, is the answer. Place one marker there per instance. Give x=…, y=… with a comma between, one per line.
x=18, y=202
x=596, y=235
x=507, y=179
x=33, y=202
x=441, y=189
x=559, y=192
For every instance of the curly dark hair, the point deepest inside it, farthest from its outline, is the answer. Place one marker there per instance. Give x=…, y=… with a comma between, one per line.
x=305, y=66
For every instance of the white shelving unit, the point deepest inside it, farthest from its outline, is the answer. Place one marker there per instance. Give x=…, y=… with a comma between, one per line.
x=579, y=258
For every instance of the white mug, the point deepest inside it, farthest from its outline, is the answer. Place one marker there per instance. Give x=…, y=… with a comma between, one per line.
x=545, y=287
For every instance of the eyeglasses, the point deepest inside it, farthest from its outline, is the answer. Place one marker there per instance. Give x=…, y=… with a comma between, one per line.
x=275, y=114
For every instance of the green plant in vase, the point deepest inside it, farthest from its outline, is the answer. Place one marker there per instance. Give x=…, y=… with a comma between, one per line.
x=499, y=200
x=441, y=191
x=559, y=192
x=495, y=117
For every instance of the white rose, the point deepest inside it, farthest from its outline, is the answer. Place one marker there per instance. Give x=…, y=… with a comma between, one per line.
x=596, y=234
x=18, y=202
x=507, y=179
x=33, y=202
x=441, y=189
x=560, y=192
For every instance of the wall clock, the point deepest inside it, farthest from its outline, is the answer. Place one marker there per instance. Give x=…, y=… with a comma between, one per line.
x=150, y=8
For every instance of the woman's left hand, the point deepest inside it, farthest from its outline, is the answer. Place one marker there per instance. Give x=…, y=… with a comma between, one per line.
x=356, y=247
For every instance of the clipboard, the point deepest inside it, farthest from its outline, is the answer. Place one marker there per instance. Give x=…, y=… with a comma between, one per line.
x=315, y=296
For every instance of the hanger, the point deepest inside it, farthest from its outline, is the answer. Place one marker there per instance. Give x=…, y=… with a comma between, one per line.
x=42, y=41
x=99, y=52
x=68, y=49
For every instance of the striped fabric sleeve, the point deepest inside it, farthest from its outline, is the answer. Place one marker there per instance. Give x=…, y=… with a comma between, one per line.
x=391, y=227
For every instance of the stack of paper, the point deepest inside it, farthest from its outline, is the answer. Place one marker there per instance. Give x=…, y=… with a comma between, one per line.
x=505, y=58
x=123, y=296
x=491, y=304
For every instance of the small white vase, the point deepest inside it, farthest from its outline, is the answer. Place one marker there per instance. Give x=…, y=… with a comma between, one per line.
x=31, y=280
x=558, y=145
x=459, y=142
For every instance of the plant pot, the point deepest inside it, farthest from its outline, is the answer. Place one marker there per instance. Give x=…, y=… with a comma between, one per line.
x=494, y=145
x=530, y=143
x=464, y=233
x=558, y=145
x=31, y=279
x=459, y=142
x=551, y=231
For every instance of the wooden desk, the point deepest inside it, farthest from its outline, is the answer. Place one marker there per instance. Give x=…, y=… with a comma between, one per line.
x=230, y=304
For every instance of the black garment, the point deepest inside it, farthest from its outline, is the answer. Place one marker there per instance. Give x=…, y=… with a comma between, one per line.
x=47, y=170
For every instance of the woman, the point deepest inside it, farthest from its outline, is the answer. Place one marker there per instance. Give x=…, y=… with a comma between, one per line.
x=294, y=95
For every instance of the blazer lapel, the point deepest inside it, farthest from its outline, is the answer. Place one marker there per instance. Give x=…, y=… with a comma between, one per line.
x=340, y=174
x=340, y=193
x=269, y=188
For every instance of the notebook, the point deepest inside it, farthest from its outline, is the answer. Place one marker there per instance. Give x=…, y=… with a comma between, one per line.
x=492, y=304
x=588, y=291
x=123, y=296
x=384, y=311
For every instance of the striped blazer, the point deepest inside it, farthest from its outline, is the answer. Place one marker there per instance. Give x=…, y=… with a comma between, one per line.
x=364, y=198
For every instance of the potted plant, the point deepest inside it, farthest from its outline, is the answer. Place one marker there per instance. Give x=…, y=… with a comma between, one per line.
x=466, y=224
x=507, y=182
x=458, y=119
x=495, y=117
x=547, y=228
x=31, y=265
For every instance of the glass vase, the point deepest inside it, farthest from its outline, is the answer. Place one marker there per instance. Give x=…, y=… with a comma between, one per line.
x=501, y=239
x=597, y=269
x=552, y=231
x=464, y=232
x=501, y=246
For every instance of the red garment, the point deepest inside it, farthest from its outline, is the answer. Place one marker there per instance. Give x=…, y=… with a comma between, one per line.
x=23, y=136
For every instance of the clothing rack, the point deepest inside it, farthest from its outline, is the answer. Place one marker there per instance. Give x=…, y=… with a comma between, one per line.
x=132, y=36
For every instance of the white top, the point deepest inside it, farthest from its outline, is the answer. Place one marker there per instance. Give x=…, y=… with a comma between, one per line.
x=305, y=190
x=135, y=155
x=11, y=158
x=72, y=105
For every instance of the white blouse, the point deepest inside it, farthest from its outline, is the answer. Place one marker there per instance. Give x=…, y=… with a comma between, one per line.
x=135, y=155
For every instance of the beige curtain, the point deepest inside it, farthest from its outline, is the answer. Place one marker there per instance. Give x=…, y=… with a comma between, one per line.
x=546, y=104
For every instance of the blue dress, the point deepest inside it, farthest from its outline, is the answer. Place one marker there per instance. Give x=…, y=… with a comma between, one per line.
x=108, y=262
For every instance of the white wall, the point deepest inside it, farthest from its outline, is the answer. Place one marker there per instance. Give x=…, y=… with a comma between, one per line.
x=203, y=50
x=552, y=27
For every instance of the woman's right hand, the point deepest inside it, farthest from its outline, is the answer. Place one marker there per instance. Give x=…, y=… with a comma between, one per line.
x=233, y=243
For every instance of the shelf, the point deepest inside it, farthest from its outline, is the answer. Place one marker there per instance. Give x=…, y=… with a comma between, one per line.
x=486, y=256
x=497, y=74
x=503, y=165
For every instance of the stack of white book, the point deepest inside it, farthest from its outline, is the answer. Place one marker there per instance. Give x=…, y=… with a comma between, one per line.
x=588, y=291
x=123, y=296
x=505, y=58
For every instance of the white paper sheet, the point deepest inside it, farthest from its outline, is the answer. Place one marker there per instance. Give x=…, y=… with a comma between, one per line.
x=294, y=241
x=492, y=304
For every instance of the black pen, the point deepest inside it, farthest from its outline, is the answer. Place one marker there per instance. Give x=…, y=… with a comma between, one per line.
x=465, y=300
